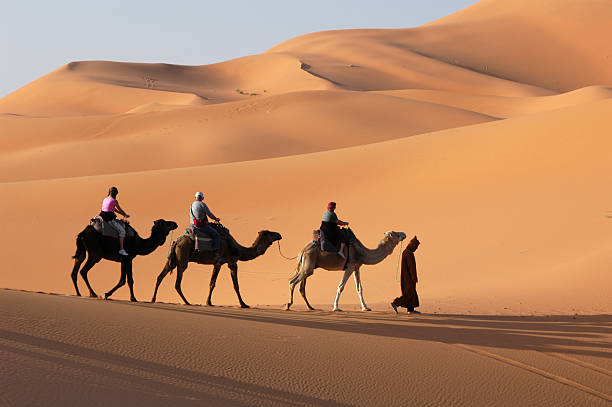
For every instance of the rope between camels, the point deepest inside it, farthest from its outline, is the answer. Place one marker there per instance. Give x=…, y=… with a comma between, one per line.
x=170, y=243
x=281, y=253
x=399, y=258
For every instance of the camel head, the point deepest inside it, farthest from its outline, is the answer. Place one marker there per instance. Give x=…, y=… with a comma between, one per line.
x=269, y=237
x=395, y=237
x=163, y=227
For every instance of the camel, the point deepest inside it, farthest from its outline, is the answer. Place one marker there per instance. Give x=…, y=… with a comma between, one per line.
x=183, y=252
x=96, y=247
x=312, y=257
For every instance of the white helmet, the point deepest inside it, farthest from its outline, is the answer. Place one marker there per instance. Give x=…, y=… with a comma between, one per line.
x=199, y=195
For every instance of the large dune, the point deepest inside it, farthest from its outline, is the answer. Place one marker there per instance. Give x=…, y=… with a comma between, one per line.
x=502, y=175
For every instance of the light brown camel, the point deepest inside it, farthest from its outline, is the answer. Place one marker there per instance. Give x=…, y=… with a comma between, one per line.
x=312, y=257
x=183, y=251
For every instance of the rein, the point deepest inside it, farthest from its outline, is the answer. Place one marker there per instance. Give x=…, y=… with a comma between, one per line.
x=170, y=243
x=281, y=253
x=399, y=258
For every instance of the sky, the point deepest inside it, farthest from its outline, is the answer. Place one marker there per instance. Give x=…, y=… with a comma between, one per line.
x=37, y=37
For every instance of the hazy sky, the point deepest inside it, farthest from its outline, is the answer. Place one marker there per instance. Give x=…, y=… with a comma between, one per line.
x=37, y=37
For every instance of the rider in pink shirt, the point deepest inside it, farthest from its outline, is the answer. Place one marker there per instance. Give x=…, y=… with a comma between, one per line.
x=110, y=205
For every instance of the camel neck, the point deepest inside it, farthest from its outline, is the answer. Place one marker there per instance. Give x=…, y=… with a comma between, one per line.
x=375, y=256
x=148, y=245
x=249, y=253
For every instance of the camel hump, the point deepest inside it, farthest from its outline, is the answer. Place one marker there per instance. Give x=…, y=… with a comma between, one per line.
x=106, y=229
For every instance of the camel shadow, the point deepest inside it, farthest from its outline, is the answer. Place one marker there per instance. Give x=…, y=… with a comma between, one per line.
x=111, y=378
x=584, y=335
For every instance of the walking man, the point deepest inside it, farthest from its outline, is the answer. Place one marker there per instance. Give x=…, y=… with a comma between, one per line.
x=409, y=298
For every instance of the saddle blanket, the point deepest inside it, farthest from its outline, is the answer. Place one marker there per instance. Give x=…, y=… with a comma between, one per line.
x=106, y=229
x=203, y=241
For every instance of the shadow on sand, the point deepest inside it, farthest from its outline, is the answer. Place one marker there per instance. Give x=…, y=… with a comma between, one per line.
x=579, y=335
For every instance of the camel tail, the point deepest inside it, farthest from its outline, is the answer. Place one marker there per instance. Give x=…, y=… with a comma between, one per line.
x=81, y=250
x=298, y=267
x=171, y=262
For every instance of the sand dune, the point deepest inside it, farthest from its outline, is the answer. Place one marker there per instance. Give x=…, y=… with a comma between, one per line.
x=486, y=134
x=526, y=219
x=511, y=207
x=503, y=106
x=260, y=128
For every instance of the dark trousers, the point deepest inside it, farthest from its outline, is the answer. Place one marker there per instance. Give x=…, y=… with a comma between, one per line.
x=212, y=232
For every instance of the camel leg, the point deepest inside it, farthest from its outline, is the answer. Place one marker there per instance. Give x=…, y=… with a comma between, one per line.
x=359, y=288
x=179, y=277
x=167, y=268
x=345, y=277
x=120, y=284
x=213, y=282
x=303, y=292
x=88, y=265
x=234, y=272
x=78, y=260
x=292, y=283
x=130, y=279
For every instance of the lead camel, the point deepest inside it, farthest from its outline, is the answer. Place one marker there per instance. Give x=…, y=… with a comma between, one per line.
x=312, y=257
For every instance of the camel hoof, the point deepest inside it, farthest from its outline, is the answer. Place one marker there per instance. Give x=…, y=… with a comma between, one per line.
x=133, y=299
x=336, y=310
x=209, y=304
x=365, y=309
x=93, y=295
x=244, y=306
x=286, y=307
x=106, y=296
x=153, y=299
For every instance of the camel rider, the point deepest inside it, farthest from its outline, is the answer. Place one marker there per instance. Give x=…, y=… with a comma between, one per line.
x=330, y=227
x=110, y=205
x=198, y=214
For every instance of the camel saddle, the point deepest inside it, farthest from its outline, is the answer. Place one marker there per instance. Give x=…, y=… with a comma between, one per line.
x=329, y=246
x=203, y=242
x=106, y=229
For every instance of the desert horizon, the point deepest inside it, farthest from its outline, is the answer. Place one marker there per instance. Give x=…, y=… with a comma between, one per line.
x=485, y=133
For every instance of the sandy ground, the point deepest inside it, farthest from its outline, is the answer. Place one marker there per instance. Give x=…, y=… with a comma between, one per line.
x=485, y=133
x=68, y=350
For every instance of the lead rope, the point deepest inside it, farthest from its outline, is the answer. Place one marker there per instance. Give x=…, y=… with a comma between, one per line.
x=281, y=253
x=170, y=243
x=398, y=262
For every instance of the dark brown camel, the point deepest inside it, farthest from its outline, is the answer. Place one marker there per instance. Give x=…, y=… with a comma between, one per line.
x=183, y=251
x=96, y=247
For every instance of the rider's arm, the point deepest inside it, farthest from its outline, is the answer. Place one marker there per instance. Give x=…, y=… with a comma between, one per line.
x=212, y=215
x=119, y=210
x=341, y=223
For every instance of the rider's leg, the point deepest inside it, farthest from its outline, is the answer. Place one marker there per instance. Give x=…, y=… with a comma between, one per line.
x=121, y=230
x=216, y=237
